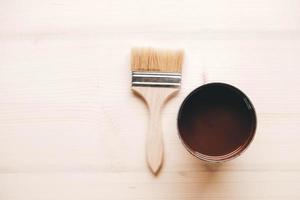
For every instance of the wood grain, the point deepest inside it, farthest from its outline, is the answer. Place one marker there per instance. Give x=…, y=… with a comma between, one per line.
x=71, y=129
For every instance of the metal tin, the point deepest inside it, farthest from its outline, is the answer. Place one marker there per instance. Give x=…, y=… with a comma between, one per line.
x=228, y=156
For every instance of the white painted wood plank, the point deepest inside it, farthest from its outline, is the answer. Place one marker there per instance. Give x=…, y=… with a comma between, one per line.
x=68, y=120
x=133, y=15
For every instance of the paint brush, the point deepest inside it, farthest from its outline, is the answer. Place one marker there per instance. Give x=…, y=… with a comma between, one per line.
x=156, y=76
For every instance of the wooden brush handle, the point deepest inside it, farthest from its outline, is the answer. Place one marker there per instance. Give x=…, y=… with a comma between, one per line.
x=155, y=97
x=154, y=139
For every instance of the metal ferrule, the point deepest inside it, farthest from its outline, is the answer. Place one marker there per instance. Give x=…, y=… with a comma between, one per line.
x=156, y=79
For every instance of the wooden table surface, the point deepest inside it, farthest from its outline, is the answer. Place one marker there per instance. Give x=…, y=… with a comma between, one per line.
x=70, y=128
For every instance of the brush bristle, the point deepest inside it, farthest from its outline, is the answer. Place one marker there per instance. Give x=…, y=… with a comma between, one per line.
x=153, y=60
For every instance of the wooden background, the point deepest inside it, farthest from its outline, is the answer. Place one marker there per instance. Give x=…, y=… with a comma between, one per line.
x=70, y=128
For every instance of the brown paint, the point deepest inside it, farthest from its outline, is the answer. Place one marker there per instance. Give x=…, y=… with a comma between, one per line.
x=216, y=122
